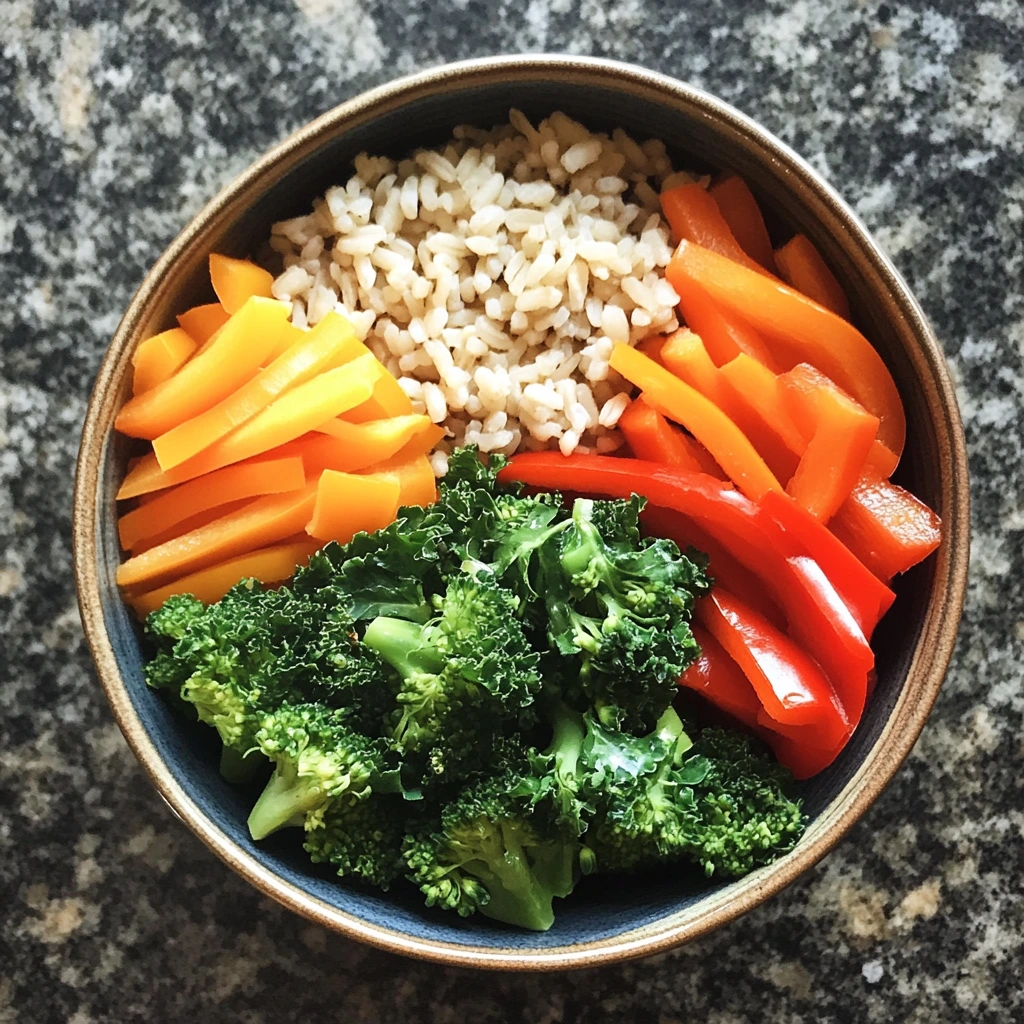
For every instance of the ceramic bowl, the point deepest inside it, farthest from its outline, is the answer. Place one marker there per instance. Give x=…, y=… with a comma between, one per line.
x=601, y=922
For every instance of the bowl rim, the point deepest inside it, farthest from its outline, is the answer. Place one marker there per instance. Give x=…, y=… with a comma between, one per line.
x=925, y=672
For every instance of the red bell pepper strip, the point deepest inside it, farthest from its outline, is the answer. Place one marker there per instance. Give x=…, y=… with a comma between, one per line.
x=791, y=687
x=886, y=527
x=802, y=760
x=724, y=567
x=717, y=678
x=867, y=598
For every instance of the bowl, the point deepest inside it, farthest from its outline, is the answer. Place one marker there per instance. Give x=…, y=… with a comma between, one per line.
x=600, y=923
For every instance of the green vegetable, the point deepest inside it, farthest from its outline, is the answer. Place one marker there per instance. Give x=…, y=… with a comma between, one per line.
x=478, y=698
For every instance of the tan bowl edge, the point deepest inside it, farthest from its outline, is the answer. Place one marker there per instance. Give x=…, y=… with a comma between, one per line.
x=924, y=676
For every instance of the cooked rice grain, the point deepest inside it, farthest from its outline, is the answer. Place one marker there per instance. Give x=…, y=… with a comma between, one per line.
x=493, y=276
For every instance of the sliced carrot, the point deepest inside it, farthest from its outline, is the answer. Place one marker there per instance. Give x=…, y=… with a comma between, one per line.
x=295, y=413
x=257, y=524
x=741, y=212
x=693, y=215
x=414, y=475
x=725, y=333
x=202, y=322
x=886, y=527
x=803, y=268
x=843, y=433
x=685, y=355
x=240, y=348
x=650, y=436
x=798, y=330
x=237, y=281
x=332, y=342
x=159, y=358
x=244, y=480
x=679, y=402
x=388, y=399
x=347, y=504
x=268, y=565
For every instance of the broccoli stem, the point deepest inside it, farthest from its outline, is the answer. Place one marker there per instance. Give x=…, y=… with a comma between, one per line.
x=282, y=804
x=517, y=895
x=581, y=556
x=568, y=733
x=400, y=644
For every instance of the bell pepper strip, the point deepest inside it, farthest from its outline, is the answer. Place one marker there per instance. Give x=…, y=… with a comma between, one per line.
x=347, y=504
x=761, y=388
x=740, y=211
x=797, y=330
x=802, y=759
x=684, y=405
x=235, y=356
x=816, y=616
x=159, y=358
x=202, y=322
x=684, y=354
x=791, y=687
x=332, y=342
x=801, y=266
x=843, y=433
x=189, y=524
x=693, y=215
x=414, y=475
x=650, y=436
x=725, y=569
x=268, y=565
x=720, y=681
x=388, y=399
x=726, y=334
x=175, y=506
x=880, y=463
x=236, y=281
x=886, y=527
x=257, y=524
x=866, y=597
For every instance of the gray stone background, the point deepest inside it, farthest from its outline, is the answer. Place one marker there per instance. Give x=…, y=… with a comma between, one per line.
x=118, y=120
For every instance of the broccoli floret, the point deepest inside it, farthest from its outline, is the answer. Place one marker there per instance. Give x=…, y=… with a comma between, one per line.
x=360, y=839
x=744, y=818
x=494, y=852
x=466, y=675
x=619, y=608
x=318, y=761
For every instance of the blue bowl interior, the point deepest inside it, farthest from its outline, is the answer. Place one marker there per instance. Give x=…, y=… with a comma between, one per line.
x=597, y=910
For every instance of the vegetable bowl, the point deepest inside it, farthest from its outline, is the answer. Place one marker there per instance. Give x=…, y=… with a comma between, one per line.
x=574, y=403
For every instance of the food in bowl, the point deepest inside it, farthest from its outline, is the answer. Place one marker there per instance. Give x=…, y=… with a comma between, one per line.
x=475, y=689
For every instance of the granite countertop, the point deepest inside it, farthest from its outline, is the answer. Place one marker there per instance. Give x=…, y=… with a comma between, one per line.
x=118, y=120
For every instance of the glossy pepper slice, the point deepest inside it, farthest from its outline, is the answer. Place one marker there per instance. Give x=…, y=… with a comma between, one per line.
x=650, y=436
x=790, y=685
x=743, y=215
x=802, y=267
x=797, y=330
x=717, y=678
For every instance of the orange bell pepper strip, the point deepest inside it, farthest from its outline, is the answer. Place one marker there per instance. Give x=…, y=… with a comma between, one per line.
x=347, y=504
x=685, y=355
x=694, y=216
x=414, y=475
x=886, y=527
x=193, y=522
x=679, y=402
x=332, y=342
x=257, y=524
x=803, y=268
x=843, y=433
x=650, y=436
x=202, y=322
x=388, y=399
x=268, y=565
x=159, y=358
x=234, y=357
x=791, y=687
x=798, y=331
x=237, y=281
x=175, y=506
x=740, y=211
x=720, y=681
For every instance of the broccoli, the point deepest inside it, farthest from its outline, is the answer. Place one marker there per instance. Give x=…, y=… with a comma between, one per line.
x=494, y=852
x=618, y=608
x=318, y=761
x=466, y=675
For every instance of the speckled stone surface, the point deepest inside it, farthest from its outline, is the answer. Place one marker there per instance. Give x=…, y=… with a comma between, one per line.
x=117, y=121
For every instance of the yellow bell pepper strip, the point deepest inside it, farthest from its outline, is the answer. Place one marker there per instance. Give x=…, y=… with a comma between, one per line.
x=237, y=281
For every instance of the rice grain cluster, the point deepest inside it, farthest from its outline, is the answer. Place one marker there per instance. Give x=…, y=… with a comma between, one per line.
x=494, y=275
